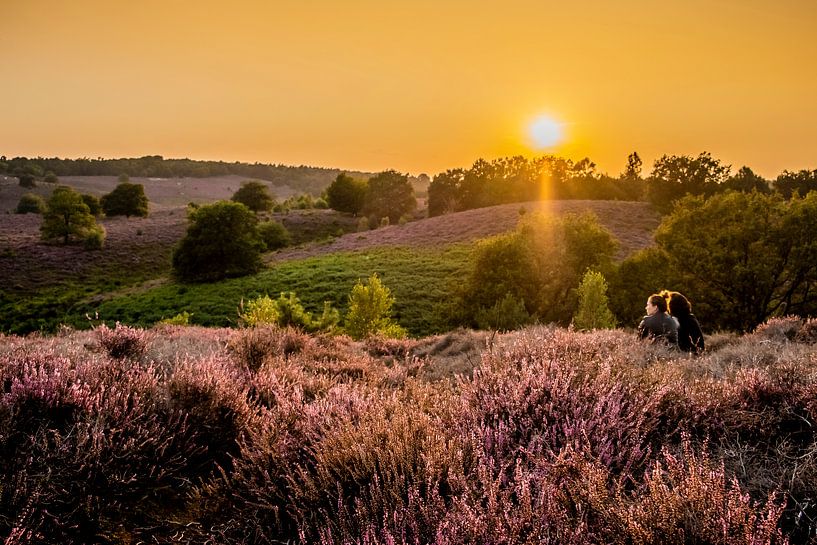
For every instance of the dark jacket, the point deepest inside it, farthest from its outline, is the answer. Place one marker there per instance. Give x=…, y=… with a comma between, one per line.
x=659, y=326
x=690, y=337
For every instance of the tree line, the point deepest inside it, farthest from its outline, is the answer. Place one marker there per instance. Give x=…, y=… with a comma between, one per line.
x=519, y=179
x=306, y=178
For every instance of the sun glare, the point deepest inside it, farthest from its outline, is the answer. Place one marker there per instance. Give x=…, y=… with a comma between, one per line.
x=545, y=132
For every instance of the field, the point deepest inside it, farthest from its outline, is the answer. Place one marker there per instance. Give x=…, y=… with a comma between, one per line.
x=545, y=435
x=128, y=280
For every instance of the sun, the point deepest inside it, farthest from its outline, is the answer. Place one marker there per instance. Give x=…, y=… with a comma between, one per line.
x=545, y=132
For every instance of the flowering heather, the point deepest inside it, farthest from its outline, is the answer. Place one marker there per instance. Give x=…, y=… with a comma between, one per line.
x=269, y=435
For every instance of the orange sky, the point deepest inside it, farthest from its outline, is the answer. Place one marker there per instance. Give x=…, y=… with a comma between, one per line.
x=419, y=86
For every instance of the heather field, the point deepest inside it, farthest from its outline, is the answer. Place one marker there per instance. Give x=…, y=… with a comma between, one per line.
x=544, y=435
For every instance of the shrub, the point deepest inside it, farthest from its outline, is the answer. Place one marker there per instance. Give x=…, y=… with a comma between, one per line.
x=345, y=194
x=95, y=239
x=93, y=204
x=593, y=312
x=182, y=318
x=370, y=311
x=122, y=342
x=274, y=235
x=507, y=314
x=258, y=311
x=780, y=329
x=222, y=241
x=126, y=199
x=255, y=196
x=30, y=203
x=50, y=178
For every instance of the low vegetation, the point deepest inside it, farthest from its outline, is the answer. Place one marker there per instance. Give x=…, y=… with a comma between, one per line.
x=268, y=435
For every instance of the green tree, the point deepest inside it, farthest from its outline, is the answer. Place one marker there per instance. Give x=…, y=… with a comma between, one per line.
x=66, y=216
x=594, y=311
x=750, y=256
x=370, y=311
x=389, y=194
x=93, y=204
x=541, y=263
x=789, y=183
x=274, y=235
x=222, y=241
x=30, y=204
x=346, y=194
x=255, y=196
x=746, y=180
x=674, y=176
x=50, y=178
x=126, y=199
x=444, y=192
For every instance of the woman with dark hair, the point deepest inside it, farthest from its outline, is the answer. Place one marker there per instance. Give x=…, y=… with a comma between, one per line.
x=657, y=325
x=690, y=337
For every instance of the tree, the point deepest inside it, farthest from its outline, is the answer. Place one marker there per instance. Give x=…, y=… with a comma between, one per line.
x=255, y=196
x=93, y=204
x=346, y=194
x=746, y=180
x=593, y=311
x=674, y=176
x=370, y=311
x=50, y=178
x=222, y=241
x=633, y=169
x=541, y=263
x=749, y=256
x=66, y=216
x=127, y=200
x=30, y=204
x=444, y=192
x=389, y=194
x=800, y=182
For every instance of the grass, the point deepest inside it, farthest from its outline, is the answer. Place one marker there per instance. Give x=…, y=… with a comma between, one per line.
x=420, y=279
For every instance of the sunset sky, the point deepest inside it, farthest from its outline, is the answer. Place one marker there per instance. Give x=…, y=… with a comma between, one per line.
x=418, y=86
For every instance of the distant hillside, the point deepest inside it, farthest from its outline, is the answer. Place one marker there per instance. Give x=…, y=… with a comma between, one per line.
x=301, y=179
x=632, y=223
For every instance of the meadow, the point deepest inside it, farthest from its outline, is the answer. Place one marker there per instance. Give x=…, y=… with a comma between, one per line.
x=544, y=435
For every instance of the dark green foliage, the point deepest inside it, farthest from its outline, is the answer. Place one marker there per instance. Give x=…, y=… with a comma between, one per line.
x=389, y=194
x=641, y=274
x=274, y=235
x=222, y=241
x=95, y=239
x=674, y=176
x=255, y=196
x=507, y=314
x=50, y=178
x=126, y=199
x=541, y=263
x=30, y=204
x=346, y=194
x=93, y=204
x=66, y=216
x=747, y=181
x=749, y=256
x=27, y=180
x=800, y=182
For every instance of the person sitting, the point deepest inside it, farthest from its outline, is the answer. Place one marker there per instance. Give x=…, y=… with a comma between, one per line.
x=657, y=325
x=690, y=337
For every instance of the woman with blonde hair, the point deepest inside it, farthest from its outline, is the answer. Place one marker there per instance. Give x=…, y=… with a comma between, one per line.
x=690, y=337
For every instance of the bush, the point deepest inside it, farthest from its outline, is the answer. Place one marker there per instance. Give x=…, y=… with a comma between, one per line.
x=255, y=196
x=95, y=239
x=182, y=318
x=345, y=194
x=222, y=241
x=127, y=200
x=508, y=313
x=122, y=342
x=30, y=204
x=93, y=204
x=261, y=310
x=274, y=235
x=370, y=311
x=593, y=312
